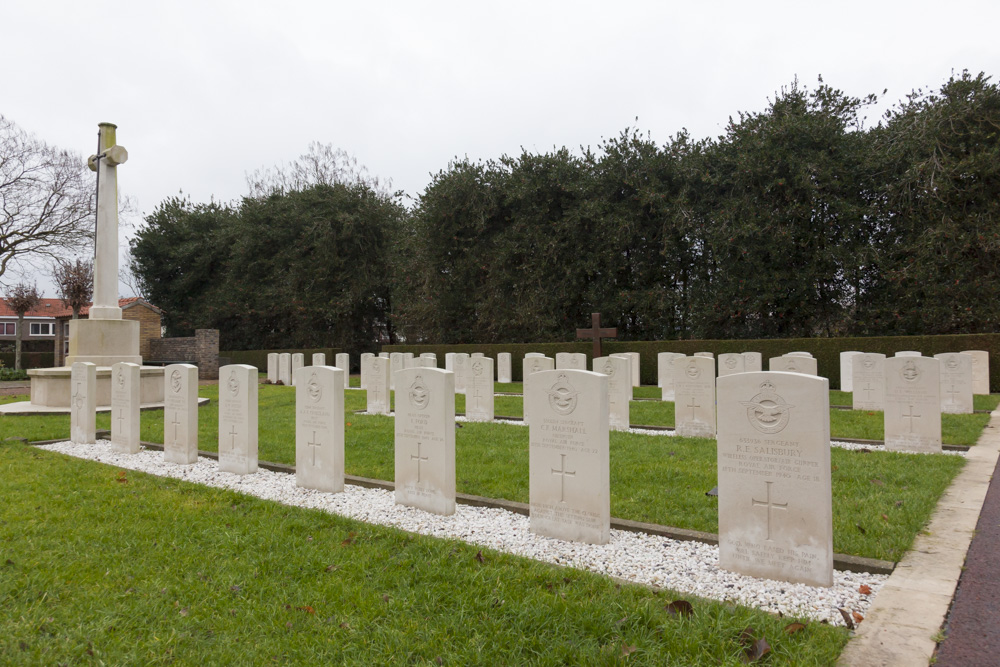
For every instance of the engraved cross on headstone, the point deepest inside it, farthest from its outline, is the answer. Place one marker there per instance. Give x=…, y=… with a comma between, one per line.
x=597, y=333
x=314, y=446
x=563, y=474
x=121, y=418
x=175, y=422
x=952, y=392
x=911, y=417
x=769, y=505
x=232, y=441
x=418, y=458
x=868, y=390
x=692, y=405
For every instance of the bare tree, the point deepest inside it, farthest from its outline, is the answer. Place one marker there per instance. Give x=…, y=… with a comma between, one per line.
x=322, y=165
x=75, y=281
x=21, y=298
x=47, y=199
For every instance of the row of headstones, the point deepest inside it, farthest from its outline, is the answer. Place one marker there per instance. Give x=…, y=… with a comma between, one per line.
x=281, y=366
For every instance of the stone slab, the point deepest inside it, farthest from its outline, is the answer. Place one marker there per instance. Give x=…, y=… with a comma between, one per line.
x=956, y=383
x=425, y=440
x=912, y=411
x=504, y=368
x=180, y=414
x=619, y=372
x=125, y=408
x=868, y=380
x=238, y=419
x=479, y=393
x=694, y=397
x=319, y=428
x=83, y=403
x=378, y=398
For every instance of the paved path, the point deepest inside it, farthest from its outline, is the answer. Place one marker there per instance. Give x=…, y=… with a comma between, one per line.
x=971, y=635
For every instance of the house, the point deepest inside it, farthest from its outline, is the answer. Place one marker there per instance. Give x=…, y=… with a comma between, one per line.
x=39, y=324
x=133, y=308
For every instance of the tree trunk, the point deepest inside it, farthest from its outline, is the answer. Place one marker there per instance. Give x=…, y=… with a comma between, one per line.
x=17, y=342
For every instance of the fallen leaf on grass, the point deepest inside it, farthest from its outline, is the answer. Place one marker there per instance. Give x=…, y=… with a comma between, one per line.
x=861, y=528
x=331, y=568
x=121, y=477
x=184, y=611
x=865, y=589
x=885, y=517
x=345, y=626
x=792, y=628
x=621, y=620
x=753, y=649
x=679, y=608
x=628, y=650
x=876, y=482
x=348, y=540
x=385, y=598
x=847, y=618
x=479, y=556
x=307, y=609
x=857, y=617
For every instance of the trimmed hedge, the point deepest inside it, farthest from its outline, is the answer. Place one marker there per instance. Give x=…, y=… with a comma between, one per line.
x=30, y=359
x=826, y=350
x=258, y=358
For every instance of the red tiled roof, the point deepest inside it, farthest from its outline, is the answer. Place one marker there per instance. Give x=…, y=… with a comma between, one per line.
x=54, y=308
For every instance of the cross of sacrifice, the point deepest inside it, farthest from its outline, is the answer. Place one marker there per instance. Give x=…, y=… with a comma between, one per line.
x=314, y=446
x=596, y=332
x=418, y=458
x=769, y=505
x=175, y=422
x=232, y=442
x=911, y=417
x=563, y=474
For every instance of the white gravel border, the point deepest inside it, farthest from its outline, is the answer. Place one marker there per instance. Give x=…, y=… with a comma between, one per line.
x=689, y=568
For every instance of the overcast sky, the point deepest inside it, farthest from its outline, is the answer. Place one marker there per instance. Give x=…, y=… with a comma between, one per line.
x=205, y=92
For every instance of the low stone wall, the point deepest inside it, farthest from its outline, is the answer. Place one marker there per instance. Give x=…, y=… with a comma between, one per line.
x=202, y=349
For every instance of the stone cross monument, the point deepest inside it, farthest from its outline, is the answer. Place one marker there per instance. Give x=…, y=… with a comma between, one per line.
x=105, y=338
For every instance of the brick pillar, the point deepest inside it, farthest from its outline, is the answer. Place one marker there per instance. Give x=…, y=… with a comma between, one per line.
x=207, y=350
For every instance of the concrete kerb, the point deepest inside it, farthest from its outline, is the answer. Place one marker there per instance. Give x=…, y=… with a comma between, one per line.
x=906, y=617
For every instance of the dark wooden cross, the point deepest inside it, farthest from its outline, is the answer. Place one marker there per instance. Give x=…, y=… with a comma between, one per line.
x=597, y=333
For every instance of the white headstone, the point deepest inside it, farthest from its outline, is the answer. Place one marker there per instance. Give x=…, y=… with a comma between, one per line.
x=571, y=361
x=272, y=367
x=319, y=359
x=731, y=363
x=707, y=355
x=956, y=383
x=407, y=362
x=378, y=386
x=980, y=371
x=83, y=403
x=634, y=357
x=385, y=355
x=319, y=428
x=868, y=378
x=847, y=370
x=298, y=361
x=530, y=366
x=344, y=364
x=449, y=361
x=425, y=362
x=793, y=363
x=238, y=419
x=504, y=368
x=913, y=404
x=180, y=413
x=429, y=355
x=775, y=491
x=694, y=397
x=285, y=369
x=752, y=362
x=476, y=355
x=568, y=460
x=799, y=354
x=366, y=358
x=460, y=366
x=531, y=355
x=665, y=371
x=125, y=407
x=395, y=364
x=479, y=393
x=908, y=353
x=619, y=372
x=425, y=440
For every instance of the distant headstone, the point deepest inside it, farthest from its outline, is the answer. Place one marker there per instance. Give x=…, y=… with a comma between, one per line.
x=752, y=362
x=504, y=368
x=956, y=383
x=285, y=369
x=424, y=362
x=532, y=355
x=476, y=355
x=319, y=428
x=847, y=370
x=479, y=393
x=775, y=491
x=694, y=397
x=530, y=366
x=429, y=355
x=407, y=362
x=793, y=363
x=385, y=355
x=366, y=358
x=395, y=364
x=238, y=419
x=798, y=354
x=908, y=353
x=665, y=373
x=913, y=404
x=378, y=386
x=125, y=407
x=319, y=359
x=569, y=477
x=298, y=361
x=868, y=378
x=619, y=372
x=460, y=366
x=571, y=361
x=272, y=367
x=83, y=403
x=449, y=361
x=707, y=355
x=344, y=364
x=180, y=414
x=980, y=371
x=634, y=356
x=425, y=440
x=731, y=363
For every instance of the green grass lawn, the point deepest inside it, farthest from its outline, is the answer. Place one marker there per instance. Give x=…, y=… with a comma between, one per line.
x=101, y=567
x=656, y=479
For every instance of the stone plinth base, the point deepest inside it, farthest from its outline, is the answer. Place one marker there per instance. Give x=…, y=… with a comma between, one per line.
x=50, y=387
x=102, y=342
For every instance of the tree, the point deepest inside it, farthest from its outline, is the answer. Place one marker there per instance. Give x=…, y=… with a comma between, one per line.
x=46, y=199
x=21, y=298
x=323, y=164
x=75, y=282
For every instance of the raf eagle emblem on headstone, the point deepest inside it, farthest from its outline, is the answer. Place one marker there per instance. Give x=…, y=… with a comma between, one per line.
x=562, y=396
x=910, y=372
x=175, y=381
x=233, y=384
x=419, y=396
x=315, y=389
x=767, y=412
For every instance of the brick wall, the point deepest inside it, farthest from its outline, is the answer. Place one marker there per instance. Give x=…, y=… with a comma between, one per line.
x=202, y=349
x=149, y=326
